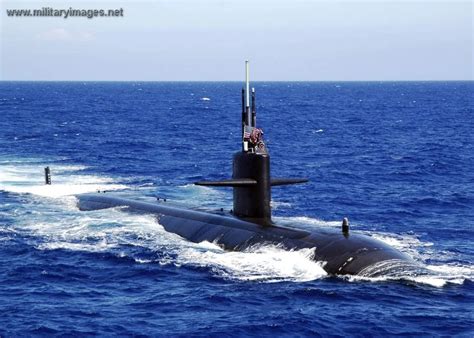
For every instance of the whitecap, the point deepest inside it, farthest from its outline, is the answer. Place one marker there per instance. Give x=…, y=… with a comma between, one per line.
x=28, y=178
x=307, y=222
x=278, y=204
x=265, y=263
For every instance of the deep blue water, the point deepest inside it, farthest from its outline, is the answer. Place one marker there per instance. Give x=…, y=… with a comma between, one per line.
x=396, y=158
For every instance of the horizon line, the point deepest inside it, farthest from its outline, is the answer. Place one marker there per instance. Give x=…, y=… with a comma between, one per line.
x=239, y=81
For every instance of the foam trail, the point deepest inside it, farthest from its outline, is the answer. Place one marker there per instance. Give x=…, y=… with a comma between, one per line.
x=409, y=244
x=436, y=275
x=306, y=222
x=260, y=263
x=27, y=177
x=113, y=231
x=277, y=205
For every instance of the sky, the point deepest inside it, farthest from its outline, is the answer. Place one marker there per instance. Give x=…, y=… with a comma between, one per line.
x=209, y=40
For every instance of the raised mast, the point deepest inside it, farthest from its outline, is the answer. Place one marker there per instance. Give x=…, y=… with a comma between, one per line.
x=254, y=112
x=246, y=112
x=247, y=86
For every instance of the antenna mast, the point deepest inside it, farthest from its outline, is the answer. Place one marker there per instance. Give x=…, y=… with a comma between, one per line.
x=246, y=113
x=247, y=84
x=251, y=136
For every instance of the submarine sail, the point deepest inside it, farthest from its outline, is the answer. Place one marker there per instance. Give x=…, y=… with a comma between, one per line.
x=251, y=180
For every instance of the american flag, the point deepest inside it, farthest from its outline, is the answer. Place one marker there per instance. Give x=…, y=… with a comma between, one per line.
x=247, y=132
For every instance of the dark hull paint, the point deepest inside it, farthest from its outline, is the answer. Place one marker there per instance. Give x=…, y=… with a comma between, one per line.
x=344, y=254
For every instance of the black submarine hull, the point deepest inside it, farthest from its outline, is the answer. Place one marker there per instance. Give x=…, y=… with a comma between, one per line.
x=343, y=253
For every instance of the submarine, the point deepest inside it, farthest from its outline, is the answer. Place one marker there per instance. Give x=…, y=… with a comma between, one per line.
x=341, y=251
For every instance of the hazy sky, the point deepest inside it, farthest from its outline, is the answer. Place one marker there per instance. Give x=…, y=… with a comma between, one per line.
x=210, y=39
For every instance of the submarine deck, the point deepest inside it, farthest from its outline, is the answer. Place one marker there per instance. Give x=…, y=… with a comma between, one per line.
x=342, y=253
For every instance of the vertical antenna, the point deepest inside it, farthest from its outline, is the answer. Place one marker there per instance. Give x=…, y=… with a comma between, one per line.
x=243, y=114
x=247, y=91
x=254, y=112
x=246, y=114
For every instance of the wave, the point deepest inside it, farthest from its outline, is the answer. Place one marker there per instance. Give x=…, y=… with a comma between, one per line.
x=306, y=222
x=122, y=234
x=444, y=272
x=56, y=224
x=27, y=177
x=278, y=204
x=266, y=263
x=395, y=270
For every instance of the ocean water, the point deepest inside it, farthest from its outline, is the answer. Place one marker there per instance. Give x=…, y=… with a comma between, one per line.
x=397, y=158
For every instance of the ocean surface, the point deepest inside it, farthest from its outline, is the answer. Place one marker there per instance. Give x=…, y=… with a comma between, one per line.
x=397, y=158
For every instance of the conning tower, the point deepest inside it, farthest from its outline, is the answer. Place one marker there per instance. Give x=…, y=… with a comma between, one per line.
x=251, y=180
